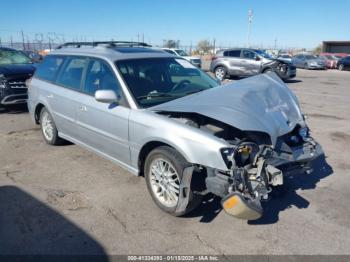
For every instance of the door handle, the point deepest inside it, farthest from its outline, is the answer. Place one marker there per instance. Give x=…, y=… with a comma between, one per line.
x=83, y=108
x=50, y=96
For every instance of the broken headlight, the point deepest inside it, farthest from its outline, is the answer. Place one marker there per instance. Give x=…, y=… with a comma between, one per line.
x=243, y=154
x=227, y=155
x=304, y=133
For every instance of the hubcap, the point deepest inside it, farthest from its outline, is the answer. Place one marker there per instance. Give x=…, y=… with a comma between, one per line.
x=47, y=126
x=220, y=73
x=165, y=182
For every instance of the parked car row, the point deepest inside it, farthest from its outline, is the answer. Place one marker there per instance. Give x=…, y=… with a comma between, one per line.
x=323, y=61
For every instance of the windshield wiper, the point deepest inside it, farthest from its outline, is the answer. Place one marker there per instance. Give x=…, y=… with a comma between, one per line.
x=152, y=95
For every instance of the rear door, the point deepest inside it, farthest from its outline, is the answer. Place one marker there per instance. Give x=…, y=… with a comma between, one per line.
x=65, y=93
x=234, y=58
x=102, y=126
x=250, y=63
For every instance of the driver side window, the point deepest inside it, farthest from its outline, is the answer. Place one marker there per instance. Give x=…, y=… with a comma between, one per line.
x=249, y=54
x=99, y=76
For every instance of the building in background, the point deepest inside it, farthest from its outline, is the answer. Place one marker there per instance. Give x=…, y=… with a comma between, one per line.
x=336, y=47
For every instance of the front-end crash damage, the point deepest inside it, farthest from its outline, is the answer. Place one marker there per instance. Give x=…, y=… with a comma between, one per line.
x=264, y=134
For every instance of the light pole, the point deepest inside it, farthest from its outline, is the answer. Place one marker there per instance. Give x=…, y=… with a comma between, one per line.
x=250, y=20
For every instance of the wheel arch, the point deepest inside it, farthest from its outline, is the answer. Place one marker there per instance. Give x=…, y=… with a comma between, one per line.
x=37, y=111
x=148, y=147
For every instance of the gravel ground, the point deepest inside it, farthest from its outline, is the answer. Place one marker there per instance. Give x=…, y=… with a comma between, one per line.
x=66, y=200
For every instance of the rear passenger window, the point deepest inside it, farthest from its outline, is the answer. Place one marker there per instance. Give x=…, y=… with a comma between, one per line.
x=99, y=76
x=49, y=68
x=72, y=73
x=234, y=53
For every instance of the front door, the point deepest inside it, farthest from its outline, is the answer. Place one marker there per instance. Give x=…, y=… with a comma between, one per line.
x=251, y=62
x=103, y=127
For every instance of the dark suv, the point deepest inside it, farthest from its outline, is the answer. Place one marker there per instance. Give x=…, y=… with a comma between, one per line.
x=15, y=69
x=247, y=62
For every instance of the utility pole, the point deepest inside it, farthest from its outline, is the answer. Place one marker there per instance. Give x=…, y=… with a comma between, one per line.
x=11, y=41
x=275, y=42
x=143, y=37
x=214, y=46
x=24, y=45
x=250, y=21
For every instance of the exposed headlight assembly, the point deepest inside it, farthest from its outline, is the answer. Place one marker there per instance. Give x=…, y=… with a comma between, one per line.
x=304, y=133
x=242, y=154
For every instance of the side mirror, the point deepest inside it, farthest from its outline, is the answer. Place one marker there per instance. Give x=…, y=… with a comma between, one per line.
x=257, y=58
x=106, y=96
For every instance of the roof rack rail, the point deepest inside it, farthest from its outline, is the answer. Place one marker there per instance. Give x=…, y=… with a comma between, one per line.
x=107, y=43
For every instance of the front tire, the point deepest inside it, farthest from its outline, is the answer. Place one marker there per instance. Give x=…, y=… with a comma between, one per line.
x=341, y=67
x=163, y=171
x=220, y=73
x=48, y=128
x=306, y=66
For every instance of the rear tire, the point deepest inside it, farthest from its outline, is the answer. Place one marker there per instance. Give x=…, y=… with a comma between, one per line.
x=220, y=73
x=48, y=128
x=163, y=171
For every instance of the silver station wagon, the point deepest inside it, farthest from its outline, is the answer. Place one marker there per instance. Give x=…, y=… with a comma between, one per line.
x=159, y=116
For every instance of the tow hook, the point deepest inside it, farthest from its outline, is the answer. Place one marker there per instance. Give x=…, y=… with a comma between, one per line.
x=236, y=205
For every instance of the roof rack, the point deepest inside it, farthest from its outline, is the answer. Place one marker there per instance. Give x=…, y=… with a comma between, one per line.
x=106, y=43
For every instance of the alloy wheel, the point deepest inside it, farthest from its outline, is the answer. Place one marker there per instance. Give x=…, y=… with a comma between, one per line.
x=165, y=182
x=47, y=126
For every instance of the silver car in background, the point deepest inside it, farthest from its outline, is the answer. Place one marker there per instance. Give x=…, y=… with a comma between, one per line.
x=161, y=117
x=307, y=61
x=244, y=62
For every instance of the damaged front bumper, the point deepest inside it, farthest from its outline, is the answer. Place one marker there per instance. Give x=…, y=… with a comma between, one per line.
x=243, y=187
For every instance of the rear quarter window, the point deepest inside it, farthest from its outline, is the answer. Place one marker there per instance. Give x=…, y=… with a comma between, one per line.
x=49, y=68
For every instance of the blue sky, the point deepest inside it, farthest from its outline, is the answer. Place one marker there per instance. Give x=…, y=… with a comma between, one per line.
x=293, y=23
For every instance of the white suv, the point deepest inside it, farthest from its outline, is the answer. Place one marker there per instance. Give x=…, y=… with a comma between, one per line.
x=195, y=60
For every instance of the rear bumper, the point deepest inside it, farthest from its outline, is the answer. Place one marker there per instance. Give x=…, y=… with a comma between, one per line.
x=317, y=67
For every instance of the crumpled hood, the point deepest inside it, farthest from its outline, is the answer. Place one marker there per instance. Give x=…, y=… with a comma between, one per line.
x=259, y=103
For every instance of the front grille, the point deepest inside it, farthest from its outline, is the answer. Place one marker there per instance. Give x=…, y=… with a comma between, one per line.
x=17, y=81
x=17, y=84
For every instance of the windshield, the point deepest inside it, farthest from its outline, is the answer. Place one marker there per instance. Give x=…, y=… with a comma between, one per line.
x=13, y=57
x=263, y=54
x=181, y=52
x=153, y=81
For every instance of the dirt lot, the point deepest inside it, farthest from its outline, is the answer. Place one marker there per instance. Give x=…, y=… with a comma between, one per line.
x=66, y=200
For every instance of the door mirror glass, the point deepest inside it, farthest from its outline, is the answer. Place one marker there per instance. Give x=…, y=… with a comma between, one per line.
x=257, y=58
x=106, y=96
